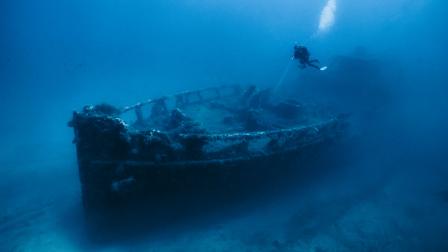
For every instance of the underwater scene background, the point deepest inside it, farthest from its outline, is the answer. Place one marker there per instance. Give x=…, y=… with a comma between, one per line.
x=386, y=72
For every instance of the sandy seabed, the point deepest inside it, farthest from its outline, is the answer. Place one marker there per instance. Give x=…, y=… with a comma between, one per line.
x=42, y=212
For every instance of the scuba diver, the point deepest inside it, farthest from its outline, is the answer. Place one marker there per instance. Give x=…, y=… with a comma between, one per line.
x=302, y=54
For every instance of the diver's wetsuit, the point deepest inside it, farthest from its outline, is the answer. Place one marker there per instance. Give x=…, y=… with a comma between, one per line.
x=302, y=54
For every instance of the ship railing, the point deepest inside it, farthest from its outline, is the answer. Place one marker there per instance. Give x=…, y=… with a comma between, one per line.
x=264, y=142
x=183, y=99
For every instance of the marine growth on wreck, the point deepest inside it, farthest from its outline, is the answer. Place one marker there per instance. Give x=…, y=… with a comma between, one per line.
x=213, y=141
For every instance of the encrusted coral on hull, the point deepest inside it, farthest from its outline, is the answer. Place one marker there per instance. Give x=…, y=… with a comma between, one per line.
x=213, y=142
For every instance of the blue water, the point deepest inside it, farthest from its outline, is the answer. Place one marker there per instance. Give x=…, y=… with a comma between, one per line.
x=57, y=56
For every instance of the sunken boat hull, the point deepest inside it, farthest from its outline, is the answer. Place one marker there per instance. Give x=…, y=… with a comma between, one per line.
x=129, y=170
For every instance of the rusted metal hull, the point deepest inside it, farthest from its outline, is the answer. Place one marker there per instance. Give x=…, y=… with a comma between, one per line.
x=151, y=192
x=127, y=172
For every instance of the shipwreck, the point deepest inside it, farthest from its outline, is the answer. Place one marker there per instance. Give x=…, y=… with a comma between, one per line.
x=194, y=149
